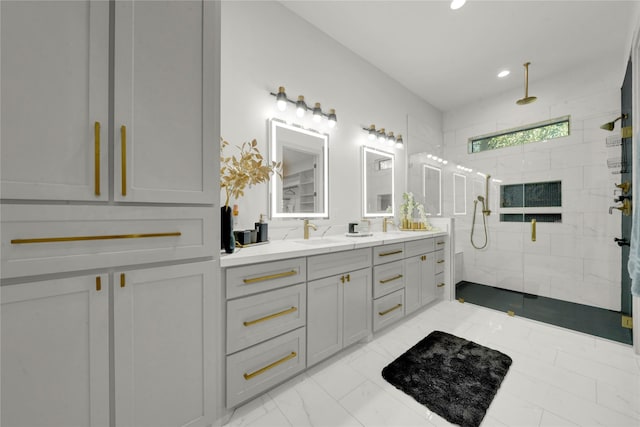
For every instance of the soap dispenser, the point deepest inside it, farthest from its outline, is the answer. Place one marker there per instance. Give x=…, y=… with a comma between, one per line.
x=263, y=229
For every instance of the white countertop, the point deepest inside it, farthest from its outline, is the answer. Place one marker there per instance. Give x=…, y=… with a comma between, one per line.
x=293, y=248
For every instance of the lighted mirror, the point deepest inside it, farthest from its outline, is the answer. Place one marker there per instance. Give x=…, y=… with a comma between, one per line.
x=431, y=189
x=302, y=192
x=459, y=194
x=377, y=167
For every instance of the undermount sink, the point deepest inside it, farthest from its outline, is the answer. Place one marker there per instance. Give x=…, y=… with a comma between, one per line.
x=317, y=242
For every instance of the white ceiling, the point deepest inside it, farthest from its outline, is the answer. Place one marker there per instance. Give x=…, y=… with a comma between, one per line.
x=450, y=58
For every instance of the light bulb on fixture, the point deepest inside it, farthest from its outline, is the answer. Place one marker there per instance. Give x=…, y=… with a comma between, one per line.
x=390, y=139
x=372, y=133
x=281, y=99
x=399, y=142
x=382, y=137
x=332, y=118
x=457, y=4
x=301, y=107
x=317, y=113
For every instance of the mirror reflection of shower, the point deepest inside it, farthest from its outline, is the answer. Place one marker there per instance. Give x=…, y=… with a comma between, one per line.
x=485, y=213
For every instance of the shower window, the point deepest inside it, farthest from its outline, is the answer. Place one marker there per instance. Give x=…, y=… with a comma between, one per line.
x=541, y=131
x=516, y=199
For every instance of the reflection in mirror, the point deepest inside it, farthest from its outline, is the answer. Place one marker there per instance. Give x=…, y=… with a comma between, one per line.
x=302, y=192
x=459, y=194
x=378, y=183
x=431, y=189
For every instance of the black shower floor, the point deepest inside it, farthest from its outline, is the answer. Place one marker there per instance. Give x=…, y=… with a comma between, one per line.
x=583, y=318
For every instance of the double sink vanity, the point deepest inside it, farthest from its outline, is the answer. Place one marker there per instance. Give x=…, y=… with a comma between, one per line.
x=293, y=303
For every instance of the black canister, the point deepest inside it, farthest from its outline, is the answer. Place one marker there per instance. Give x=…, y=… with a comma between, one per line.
x=263, y=231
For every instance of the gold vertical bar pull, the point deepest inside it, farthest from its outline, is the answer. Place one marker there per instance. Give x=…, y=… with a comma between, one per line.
x=122, y=280
x=533, y=230
x=96, y=153
x=123, y=158
x=98, y=283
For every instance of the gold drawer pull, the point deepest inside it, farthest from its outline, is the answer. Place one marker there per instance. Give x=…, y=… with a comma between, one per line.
x=271, y=316
x=440, y=243
x=271, y=366
x=395, y=307
x=96, y=153
x=270, y=277
x=98, y=283
x=390, y=253
x=440, y=261
x=440, y=285
x=81, y=238
x=391, y=279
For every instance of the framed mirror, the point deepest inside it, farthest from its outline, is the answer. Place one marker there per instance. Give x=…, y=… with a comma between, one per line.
x=303, y=190
x=459, y=194
x=431, y=189
x=378, y=183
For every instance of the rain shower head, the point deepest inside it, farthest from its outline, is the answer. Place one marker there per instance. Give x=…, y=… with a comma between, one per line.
x=609, y=126
x=527, y=99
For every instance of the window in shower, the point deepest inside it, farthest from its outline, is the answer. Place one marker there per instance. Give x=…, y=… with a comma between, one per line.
x=535, y=132
x=522, y=202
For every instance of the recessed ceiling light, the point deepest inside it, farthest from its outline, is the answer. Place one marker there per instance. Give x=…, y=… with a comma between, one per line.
x=504, y=73
x=457, y=4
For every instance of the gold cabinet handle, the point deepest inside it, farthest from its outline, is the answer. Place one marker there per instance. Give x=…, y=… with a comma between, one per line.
x=98, y=283
x=348, y=277
x=533, y=230
x=271, y=316
x=82, y=238
x=270, y=277
x=390, y=253
x=440, y=285
x=122, y=280
x=248, y=376
x=423, y=257
x=439, y=243
x=123, y=158
x=391, y=279
x=395, y=307
x=96, y=153
x=440, y=261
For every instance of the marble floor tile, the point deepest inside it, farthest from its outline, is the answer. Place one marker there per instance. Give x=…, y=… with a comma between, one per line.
x=558, y=378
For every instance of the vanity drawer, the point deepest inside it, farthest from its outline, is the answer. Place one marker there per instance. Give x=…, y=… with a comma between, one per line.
x=388, y=278
x=440, y=285
x=420, y=247
x=388, y=309
x=440, y=242
x=257, y=318
x=254, y=278
x=439, y=261
x=388, y=253
x=319, y=266
x=256, y=369
x=60, y=238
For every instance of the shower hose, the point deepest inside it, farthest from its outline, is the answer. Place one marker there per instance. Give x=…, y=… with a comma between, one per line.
x=484, y=223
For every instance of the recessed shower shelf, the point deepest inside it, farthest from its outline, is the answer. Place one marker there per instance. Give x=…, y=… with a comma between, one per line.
x=615, y=163
x=614, y=141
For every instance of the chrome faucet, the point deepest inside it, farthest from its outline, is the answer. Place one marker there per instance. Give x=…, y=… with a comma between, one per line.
x=386, y=221
x=307, y=226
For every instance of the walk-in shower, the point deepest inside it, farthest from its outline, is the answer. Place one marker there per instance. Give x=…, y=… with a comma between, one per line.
x=485, y=213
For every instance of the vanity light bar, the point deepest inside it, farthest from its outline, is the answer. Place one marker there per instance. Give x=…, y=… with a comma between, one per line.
x=437, y=159
x=384, y=137
x=302, y=107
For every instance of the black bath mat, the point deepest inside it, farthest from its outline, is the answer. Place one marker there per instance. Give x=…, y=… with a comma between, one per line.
x=455, y=378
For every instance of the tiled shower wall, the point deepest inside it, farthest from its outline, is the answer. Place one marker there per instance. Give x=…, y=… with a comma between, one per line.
x=576, y=260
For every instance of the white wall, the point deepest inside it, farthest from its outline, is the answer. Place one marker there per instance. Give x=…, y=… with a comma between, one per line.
x=576, y=260
x=264, y=46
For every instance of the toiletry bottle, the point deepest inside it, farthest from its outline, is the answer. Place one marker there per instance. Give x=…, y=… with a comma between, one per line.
x=235, y=213
x=263, y=230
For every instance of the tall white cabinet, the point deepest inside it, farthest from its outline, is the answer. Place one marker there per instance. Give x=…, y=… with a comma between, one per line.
x=110, y=128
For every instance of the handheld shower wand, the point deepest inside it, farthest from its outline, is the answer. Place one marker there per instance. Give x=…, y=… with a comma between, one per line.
x=485, y=213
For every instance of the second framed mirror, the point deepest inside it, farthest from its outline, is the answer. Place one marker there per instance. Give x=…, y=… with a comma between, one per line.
x=378, y=183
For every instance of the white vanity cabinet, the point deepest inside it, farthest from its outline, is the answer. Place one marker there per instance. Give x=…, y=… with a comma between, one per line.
x=424, y=267
x=55, y=352
x=266, y=306
x=55, y=101
x=339, y=306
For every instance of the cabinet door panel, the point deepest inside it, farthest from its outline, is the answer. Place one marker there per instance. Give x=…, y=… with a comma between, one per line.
x=161, y=80
x=428, y=292
x=413, y=283
x=324, y=318
x=357, y=306
x=54, y=85
x=163, y=345
x=55, y=353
